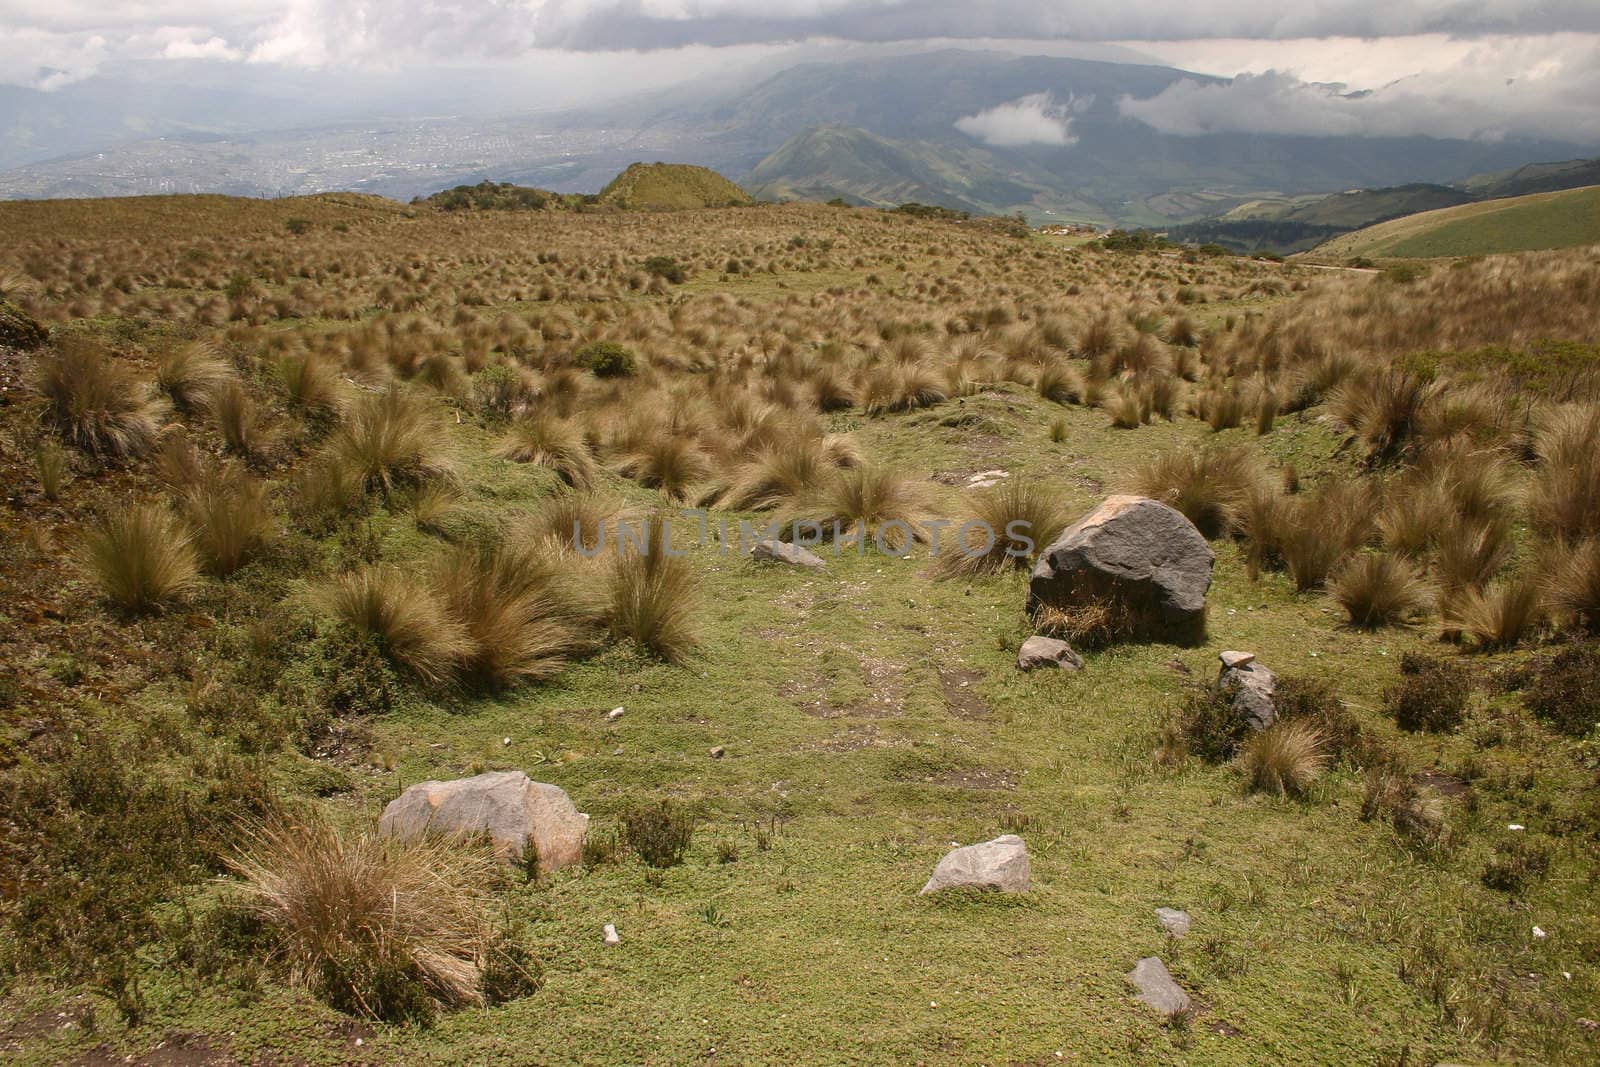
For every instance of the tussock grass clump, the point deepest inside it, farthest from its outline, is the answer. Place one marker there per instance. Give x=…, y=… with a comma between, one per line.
x=372, y=927
x=244, y=427
x=519, y=620
x=576, y=520
x=1431, y=694
x=96, y=402
x=1380, y=589
x=1564, y=497
x=864, y=502
x=1383, y=408
x=405, y=615
x=1500, y=615
x=388, y=440
x=1390, y=792
x=192, y=374
x=1211, y=487
x=546, y=441
x=230, y=514
x=670, y=464
x=1285, y=758
x=1016, y=519
x=51, y=465
x=1326, y=528
x=654, y=597
x=310, y=381
x=1572, y=588
x=141, y=557
x=783, y=472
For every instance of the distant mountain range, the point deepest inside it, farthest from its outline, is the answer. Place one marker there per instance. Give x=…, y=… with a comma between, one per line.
x=986, y=132
x=1302, y=223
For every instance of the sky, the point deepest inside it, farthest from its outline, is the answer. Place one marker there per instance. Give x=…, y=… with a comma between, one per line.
x=1487, y=69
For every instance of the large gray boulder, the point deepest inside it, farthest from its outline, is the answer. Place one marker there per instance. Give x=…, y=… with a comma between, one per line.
x=1138, y=555
x=1253, y=688
x=1156, y=987
x=515, y=812
x=1001, y=864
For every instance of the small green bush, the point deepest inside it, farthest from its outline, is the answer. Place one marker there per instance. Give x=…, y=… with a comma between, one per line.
x=1431, y=694
x=659, y=833
x=509, y=969
x=607, y=359
x=1564, y=690
x=1516, y=862
x=1209, y=725
x=666, y=268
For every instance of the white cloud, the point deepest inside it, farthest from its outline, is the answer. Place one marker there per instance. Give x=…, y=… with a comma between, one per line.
x=1528, y=87
x=1030, y=120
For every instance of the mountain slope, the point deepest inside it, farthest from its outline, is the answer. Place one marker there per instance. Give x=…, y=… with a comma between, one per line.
x=841, y=161
x=1564, y=219
x=1294, y=226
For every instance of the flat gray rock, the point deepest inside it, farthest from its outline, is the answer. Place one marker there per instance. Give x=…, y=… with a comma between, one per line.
x=1156, y=987
x=1137, y=552
x=1001, y=864
x=514, y=811
x=1048, y=652
x=1173, y=921
x=783, y=552
x=1236, y=659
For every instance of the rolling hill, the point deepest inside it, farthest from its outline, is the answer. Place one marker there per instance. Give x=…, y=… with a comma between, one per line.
x=670, y=187
x=1564, y=219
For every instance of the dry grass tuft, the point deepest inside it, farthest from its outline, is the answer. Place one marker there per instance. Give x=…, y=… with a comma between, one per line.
x=192, y=375
x=1379, y=589
x=1285, y=758
x=388, y=440
x=407, y=617
x=96, y=403
x=1017, y=519
x=373, y=927
x=654, y=597
x=1213, y=487
x=141, y=557
x=546, y=441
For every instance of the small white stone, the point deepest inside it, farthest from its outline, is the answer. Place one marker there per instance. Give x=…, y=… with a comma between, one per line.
x=505, y=742
x=1539, y=934
x=614, y=714
x=611, y=937
x=1515, y=826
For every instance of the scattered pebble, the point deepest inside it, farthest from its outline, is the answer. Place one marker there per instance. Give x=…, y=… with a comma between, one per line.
x=1515, y=826
x=505, y=742
x=611, y=937
x=718, y=752
x=1539, y=934
x=1173, y=921
x=614, y=714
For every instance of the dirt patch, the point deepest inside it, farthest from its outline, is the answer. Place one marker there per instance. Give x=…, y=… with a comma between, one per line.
x=1446, y=785
x=858, y=737
x=961, y=694
x=977, y=778
x=174, y=1050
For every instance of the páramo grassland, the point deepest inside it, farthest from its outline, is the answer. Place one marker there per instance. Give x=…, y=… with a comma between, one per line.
x=291, y=489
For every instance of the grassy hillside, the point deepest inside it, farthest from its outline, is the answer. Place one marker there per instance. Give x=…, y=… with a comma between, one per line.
x=671, y=186
x=1564, y=219
x=289, y=529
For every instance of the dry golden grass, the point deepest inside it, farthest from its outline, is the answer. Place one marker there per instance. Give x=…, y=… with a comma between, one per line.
x=141, y=557
x=1380, y=589
x=406, y=616
x=96, y=402
x=373, y=927
x=1285, y=758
